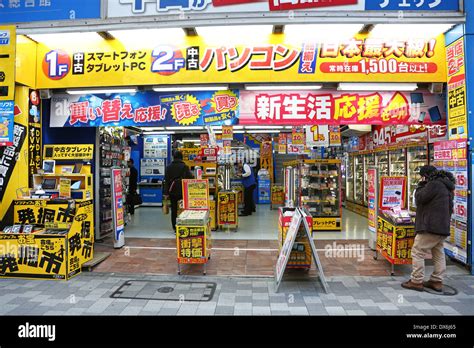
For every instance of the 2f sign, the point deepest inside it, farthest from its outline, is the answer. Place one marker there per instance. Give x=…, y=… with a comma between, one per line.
x=4, y=37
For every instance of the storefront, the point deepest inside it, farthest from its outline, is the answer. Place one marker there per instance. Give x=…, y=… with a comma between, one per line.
x=279, y=102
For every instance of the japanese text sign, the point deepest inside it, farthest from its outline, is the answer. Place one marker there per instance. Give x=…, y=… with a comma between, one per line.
x=6, y=122
x=227, y=133
x=7, y=61
x=196, y=193
x=412, y=5
x=358, y=59
x=286, y=5
x=118, y=208
x=333, y=108
x=227, y=209
x=392, y=192
x=69, y=152
x=191, y=244
x=145, y=108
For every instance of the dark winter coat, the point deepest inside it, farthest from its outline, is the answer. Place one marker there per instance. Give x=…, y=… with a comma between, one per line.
x=176, y=171
x=434, y=204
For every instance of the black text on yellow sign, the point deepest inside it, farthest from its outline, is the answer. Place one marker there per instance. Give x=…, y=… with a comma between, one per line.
x=69, y=152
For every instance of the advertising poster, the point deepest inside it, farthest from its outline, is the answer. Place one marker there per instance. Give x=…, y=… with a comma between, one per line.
x=392, y=192
x=7, y=61
x=34, y=134
x=68, y=152
x=334, y=136
x=227, y=209
x=317, y=135
x=277, y=194
x=338, y=107
x=297, y=136
x=451, y=156
x=196, y=193
x=456, y=73
x=372, y=198
x=191, y=244
x=64, y=188
x=6, y=122
x=227, y=133
x=118, y=209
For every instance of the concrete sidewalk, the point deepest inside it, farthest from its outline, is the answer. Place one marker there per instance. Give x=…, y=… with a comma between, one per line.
x=89, y=294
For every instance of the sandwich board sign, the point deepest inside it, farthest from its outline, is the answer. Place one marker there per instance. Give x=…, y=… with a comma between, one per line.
x=299, y=217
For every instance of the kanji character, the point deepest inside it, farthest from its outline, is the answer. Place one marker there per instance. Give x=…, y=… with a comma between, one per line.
x=266, y=63
x=288, y=58
x=369, y=107
x=373, y=48
x=111, y=110
x=45, y=215
x=45, y=3
x=319, y=106
x=28, y=255
x=394, y=47
x=156, y=113
x=345, y=106
x=225, y=102
x=294, y=107
x=26, y=216
x=14, y=3
x=141, y=115
x=79, y=112
x=75, y=243
x=87, y=249
x=237, y=63
x=86, y=229
x=268, y=107
x=53, y=262
x=415, y=48
x=126, y=111
x=351, y=48
x=65, y=215
x=192, y=58
x=8, y=262
x=329, y=50
x=30, y=3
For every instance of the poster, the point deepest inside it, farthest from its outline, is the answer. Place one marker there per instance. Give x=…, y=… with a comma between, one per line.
x=297, y=136
x=227, y=133
x=155, y=146
x=340, y=107
x=6, y=122
x=456, y=74
x=317, y=136
x=191, y=244
x=34, y=134
x=372, y=180
x=277, y=194
x=395, y=242
x=118, y=208
x=334, y=136
x=7, y=62
x=227, y=209
x=68, y=152
x=196, y=193
x=64, y=188
x=392, y=192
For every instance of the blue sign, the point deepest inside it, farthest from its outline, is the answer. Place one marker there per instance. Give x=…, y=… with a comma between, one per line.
x=19, y=11
x=6, y=122
x=412, y=5
x=146, y=109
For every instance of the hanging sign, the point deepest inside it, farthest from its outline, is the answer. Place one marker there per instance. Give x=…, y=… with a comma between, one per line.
x=317, y=135
x=196, y=193
x=297, y=136
x=227, y=133
x=334, y=136
x=69, y=152
x=392, y=192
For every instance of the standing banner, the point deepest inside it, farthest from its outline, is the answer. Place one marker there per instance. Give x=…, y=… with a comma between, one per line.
x=456, y=73
x=196, y=193
x=392, y=192
x=227, y=209
x=451, y=156
x=7, y=61
x=372, y=200
x=117, y=207
x=34, y=135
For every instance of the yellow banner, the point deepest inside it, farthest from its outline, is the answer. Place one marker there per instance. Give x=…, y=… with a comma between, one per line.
x=360, y=59
x=456, y=72
x=69, y=152
x=326, y=224
x=7, y=62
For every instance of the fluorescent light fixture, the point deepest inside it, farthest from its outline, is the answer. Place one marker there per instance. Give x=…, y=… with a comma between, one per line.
x=65, y=39
x=234, y=34
x=260, y=131
x=288, y=127
x=377, y=87
x=137, y=37
x=263, y=127
x=185, y=128
x=408, y=31
x=235, y=132
x=148, y=129
x=164, y=132
x=101, y=91
x=320, y=32
x=282, y=87
x=184, y=88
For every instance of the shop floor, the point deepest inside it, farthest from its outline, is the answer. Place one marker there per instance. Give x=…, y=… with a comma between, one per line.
x=166, y=290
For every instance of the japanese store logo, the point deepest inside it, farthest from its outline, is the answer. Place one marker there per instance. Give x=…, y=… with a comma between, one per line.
x=186, y=112
x=167, y=60
x=223, y=101
x=140, y=6
x=56, y=64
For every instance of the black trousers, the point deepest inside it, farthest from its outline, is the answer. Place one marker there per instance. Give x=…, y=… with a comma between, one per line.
x=174, y=210
x=131, y=206
x=249, y=204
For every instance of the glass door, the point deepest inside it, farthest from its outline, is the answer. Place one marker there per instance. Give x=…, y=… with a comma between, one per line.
x=359, y=179
x=350, y=179
x=398, y=162
x=369, y=162
x=381, y=161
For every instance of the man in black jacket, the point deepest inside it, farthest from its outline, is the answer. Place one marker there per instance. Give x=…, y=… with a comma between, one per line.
x=132, y=186
x=434, y=206
x=175, y=173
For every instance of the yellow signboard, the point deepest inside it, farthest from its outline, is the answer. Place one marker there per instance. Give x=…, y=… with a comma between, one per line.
x=326, y=224
x=457, y=116
x=360, y=59
x=69, y=152
x=196, y=193
x=7, y=62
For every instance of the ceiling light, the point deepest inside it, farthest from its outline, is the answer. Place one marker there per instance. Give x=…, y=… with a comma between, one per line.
x=64, y=39
x=408, y=31
x=165, y=132
x=101, y=91
x=235, y=132
x=138, y=37
x=185, y=128
x=263, y=127
x=377, y=87
x=190, y=88
x=261, y=131
x=282, y=87
x=146, y=129
x=320, y=32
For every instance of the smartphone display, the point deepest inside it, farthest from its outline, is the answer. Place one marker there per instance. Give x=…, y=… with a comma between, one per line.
x=422, y=117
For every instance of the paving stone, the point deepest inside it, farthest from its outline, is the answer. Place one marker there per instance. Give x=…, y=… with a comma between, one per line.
x=226, y=310
x=356, y=312
x=262, y=310
x=299, y=311
x=335, y=310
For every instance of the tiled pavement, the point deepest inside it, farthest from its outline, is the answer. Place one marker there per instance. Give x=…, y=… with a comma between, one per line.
x=89, y=294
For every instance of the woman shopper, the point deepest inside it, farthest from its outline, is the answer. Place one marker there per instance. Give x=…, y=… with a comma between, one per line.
x=434, y=206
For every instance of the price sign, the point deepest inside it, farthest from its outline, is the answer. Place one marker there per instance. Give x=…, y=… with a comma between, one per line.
x=383, y=136
x=297, y=136
x=460, y=211
x=196, y=194
x=227, y=133
x=461, y=179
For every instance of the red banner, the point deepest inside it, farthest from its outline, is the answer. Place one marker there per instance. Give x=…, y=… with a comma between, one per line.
x=334, y=108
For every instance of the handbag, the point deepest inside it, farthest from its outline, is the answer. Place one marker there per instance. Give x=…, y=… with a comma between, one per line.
x=166, y=207
x=135, y=199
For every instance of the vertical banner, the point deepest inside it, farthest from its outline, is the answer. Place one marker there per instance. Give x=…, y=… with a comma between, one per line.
x=204, y=139
x=34, y=135
x=117, y=206
x=266, y=157
x=372, y=193
x=457, y=116
x=6, y=122
x=7, y=61
x=392, y=192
